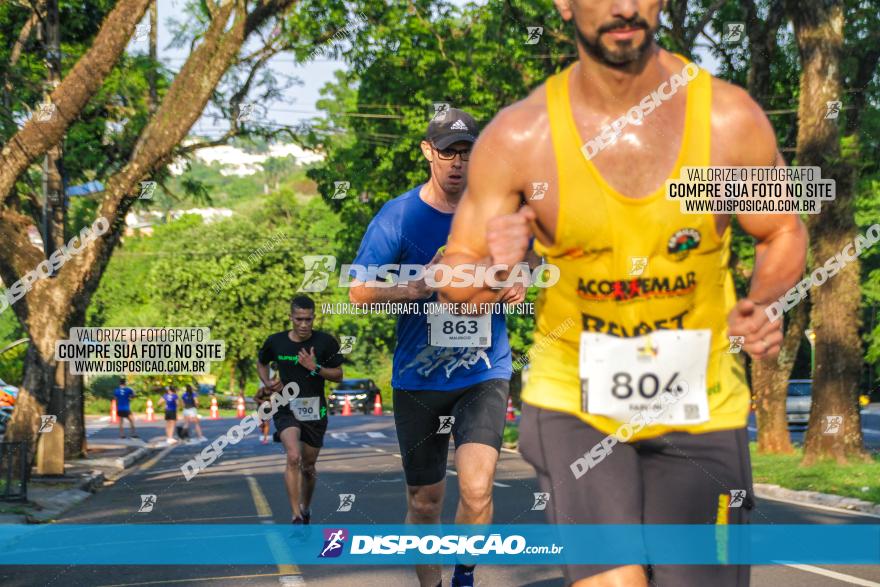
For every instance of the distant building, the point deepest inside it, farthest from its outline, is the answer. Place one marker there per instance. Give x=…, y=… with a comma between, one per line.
x=143, y=222
x=235, y=161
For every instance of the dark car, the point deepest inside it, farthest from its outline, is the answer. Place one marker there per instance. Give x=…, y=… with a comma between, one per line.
x=361, y=394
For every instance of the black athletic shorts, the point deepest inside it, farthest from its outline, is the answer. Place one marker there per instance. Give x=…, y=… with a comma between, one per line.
x=171, y=414
x=677, y=478
x=310, y=431
x=123, y=413
x=479, y=417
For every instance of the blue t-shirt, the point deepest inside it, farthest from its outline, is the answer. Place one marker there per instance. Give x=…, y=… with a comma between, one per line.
x=170, y=402
x=123, y=396
x=408, y=231
x=189, y=399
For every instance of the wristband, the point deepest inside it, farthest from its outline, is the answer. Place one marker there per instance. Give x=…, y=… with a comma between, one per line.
x=317, y=369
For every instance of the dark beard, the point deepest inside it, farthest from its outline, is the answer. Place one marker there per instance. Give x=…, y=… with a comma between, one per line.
x=617, y=58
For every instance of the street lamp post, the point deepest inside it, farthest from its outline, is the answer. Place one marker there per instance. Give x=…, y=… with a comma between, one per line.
x=811, y=336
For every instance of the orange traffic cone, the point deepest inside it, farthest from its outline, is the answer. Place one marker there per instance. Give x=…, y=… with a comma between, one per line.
x=240, y=411
x=150, y=416
x=511, y=414
x=346, y=409
x=377, y=406
x=113, y=417
x=215, y=411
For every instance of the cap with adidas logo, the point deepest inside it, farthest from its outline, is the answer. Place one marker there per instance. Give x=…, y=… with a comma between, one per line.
x=452, y=126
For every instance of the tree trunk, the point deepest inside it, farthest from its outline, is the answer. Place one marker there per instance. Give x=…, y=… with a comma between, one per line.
x=770, y=385
x=73, y=417
x=53, y=306
x=763, y=47
x=154, y=55
x=818, y=27
x=33, y=398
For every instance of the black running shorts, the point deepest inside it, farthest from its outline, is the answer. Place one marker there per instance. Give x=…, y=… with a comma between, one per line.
x=418, y=415
x=677, y=478
x=310, y=431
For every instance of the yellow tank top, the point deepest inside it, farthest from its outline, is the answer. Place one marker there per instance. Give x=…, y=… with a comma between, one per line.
x=686, y=283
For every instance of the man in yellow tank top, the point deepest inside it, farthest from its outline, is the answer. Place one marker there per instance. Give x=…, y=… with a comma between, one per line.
x=635, y=411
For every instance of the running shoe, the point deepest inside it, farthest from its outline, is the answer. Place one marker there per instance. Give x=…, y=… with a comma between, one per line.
x=463, y=576
x=306, y=516
x=297, y=521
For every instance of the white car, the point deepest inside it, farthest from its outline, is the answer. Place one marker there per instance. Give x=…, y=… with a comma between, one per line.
x=798, y=402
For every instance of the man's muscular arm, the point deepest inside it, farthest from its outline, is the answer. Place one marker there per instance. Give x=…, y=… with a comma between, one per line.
x=780, y=250
x=492, y=192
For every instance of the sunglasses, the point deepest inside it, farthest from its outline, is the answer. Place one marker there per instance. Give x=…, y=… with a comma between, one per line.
x=449, y=154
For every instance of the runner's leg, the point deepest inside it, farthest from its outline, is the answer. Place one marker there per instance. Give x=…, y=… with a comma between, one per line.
x=424, y=453
x=475, y=464
x=130, y=423
x=610, y=492
x=688, y=479
x=479, y=427
x=292, y=471
x=423, y=506
x=309, y=474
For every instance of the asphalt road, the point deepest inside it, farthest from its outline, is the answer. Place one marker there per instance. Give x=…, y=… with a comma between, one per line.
x=360, y=457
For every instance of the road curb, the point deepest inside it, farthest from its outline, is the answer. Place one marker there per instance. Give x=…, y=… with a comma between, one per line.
x=119, y=463
x=851, y=504
x=56, y=505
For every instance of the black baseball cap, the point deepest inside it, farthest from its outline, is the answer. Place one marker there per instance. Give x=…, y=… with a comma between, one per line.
x=452, y=126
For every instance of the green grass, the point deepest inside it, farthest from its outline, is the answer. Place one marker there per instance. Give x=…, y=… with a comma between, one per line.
x=825, y=477
x=511, y=433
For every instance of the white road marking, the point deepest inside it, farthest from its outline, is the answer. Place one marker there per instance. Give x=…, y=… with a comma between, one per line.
x=376, y=435
x=835, y=575
x=339, y=435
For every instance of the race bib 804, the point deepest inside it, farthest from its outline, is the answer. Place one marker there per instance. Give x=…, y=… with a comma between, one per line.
x=661, y=375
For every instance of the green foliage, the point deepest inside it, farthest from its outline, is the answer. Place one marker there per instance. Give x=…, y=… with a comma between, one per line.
x=12, y=361
x=472, y=57
x=103, y=385
x=12, y=365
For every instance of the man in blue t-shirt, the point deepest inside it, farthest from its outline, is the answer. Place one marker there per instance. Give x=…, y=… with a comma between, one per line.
x=451, y=373
x=123, y=395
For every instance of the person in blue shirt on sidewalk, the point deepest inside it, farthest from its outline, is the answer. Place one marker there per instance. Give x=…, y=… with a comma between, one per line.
x=123, y=395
